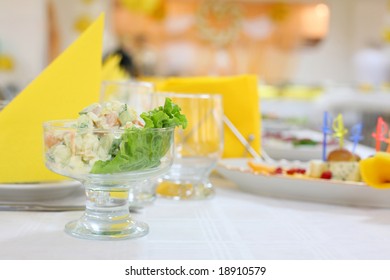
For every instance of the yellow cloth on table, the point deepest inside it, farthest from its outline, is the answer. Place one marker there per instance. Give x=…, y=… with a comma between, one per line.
x=65, y=87
x=240, y=102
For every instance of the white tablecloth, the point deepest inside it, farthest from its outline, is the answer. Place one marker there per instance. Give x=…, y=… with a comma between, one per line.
x=232, y=225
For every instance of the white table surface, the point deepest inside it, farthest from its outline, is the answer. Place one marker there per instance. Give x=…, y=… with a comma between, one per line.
x=232, y=225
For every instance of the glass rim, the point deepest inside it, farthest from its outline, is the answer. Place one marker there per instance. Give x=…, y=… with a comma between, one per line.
x=200, y=95
x=124, y=82
x=52, y=124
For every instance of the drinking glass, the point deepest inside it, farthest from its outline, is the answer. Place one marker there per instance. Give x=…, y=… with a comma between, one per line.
x=197, y=148
x=82, y=155
x=135, y=93
x=138, y=96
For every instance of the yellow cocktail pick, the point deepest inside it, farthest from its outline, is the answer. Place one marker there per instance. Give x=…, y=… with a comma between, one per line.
x=339, y=130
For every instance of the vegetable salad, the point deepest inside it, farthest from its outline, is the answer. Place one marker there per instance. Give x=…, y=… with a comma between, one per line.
x=111, y=138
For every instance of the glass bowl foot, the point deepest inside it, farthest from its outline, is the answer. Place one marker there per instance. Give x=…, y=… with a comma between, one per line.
x=79, y=229
x=177, y=190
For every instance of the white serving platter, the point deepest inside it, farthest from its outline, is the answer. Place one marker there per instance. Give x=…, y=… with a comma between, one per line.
x=304, y=189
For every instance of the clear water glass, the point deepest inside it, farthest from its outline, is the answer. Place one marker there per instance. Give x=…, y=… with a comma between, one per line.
x=138, y=96
x=197, y=148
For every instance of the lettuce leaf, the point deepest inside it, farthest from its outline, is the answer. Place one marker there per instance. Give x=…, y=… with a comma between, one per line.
x=165, y=116
x=142, y=148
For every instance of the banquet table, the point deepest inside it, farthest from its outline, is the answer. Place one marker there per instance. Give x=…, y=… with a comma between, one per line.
x=232, y=225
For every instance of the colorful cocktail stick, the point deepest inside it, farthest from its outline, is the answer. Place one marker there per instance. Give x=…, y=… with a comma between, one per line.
x=339, y=130
x=356, y=135
x=382, y=129
x=326, y=129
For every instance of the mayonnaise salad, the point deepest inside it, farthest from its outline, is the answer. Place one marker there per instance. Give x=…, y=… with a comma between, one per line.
x=110, y=138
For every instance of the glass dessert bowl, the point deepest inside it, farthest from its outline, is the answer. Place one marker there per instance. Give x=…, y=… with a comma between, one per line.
x=109, y=162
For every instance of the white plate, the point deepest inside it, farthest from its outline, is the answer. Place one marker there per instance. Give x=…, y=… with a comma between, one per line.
x=305, y=189
x=279, y=149
x=38, y=191
x=306, y=153
x=289, y=152
x=284, y=149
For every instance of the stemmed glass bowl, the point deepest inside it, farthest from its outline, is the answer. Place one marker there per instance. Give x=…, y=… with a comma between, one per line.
x=87, y=155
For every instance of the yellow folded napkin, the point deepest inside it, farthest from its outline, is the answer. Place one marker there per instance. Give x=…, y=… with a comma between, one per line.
x=67, y=85
x=240, y=102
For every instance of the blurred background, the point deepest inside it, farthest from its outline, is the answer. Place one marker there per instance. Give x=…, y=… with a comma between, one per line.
x=309, y=55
